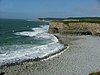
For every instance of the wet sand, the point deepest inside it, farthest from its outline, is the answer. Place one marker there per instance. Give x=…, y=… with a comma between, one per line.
x=82, y=58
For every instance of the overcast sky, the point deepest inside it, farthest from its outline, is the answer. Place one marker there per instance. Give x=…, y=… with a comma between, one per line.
x=29, y=9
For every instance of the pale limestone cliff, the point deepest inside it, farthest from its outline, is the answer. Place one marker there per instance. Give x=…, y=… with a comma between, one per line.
x=74, y=28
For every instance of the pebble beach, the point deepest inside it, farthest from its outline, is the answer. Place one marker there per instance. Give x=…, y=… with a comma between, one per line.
x=81, y=58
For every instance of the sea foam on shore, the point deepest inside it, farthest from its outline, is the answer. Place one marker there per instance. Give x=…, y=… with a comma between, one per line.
x=31, y=53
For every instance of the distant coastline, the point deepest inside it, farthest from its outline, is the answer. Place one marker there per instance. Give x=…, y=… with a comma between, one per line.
x=38, y=20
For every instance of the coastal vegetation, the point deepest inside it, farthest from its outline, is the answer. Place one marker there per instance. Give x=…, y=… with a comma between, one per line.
x=74, y=19
x=95, y=73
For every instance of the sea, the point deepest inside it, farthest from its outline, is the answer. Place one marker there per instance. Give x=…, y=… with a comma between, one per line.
x=25, y=39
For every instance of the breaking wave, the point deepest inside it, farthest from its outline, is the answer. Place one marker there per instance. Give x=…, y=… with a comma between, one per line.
x=24, y=52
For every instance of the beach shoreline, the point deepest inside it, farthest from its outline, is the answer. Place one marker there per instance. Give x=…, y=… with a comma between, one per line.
x=81, y=58
x=39, y=59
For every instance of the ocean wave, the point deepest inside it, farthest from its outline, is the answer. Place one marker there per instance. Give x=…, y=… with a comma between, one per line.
x=30, y=53
x=22, y=53
x=42, y=29
x=40, y=32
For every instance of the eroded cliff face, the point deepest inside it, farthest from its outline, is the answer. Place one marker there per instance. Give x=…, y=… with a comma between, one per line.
x=74, y=28
x=56, y=27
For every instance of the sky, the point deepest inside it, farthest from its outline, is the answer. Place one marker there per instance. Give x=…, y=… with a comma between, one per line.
x=28, y=9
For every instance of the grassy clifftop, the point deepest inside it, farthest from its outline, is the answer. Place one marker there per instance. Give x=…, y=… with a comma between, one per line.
x=82, y=21
x=74, y=19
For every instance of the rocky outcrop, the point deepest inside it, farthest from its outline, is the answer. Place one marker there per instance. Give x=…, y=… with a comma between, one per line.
x=74, y=28
x=56, y=27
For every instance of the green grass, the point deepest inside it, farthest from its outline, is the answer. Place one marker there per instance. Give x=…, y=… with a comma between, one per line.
x=82, y=21
x=75, y=19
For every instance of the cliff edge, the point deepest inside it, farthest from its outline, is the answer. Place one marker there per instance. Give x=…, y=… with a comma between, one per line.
x=74, y=27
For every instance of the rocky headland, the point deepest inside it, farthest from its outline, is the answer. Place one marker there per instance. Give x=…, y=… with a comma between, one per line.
x=74, y=27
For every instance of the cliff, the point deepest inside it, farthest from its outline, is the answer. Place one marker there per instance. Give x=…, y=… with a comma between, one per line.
x=75, y=27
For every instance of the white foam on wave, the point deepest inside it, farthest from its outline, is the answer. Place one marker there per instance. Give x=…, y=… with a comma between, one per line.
x=42, y=29
x=35, y=51
x=47, y=36
x=26, y=33
x=31, y=53
x=40, y=32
